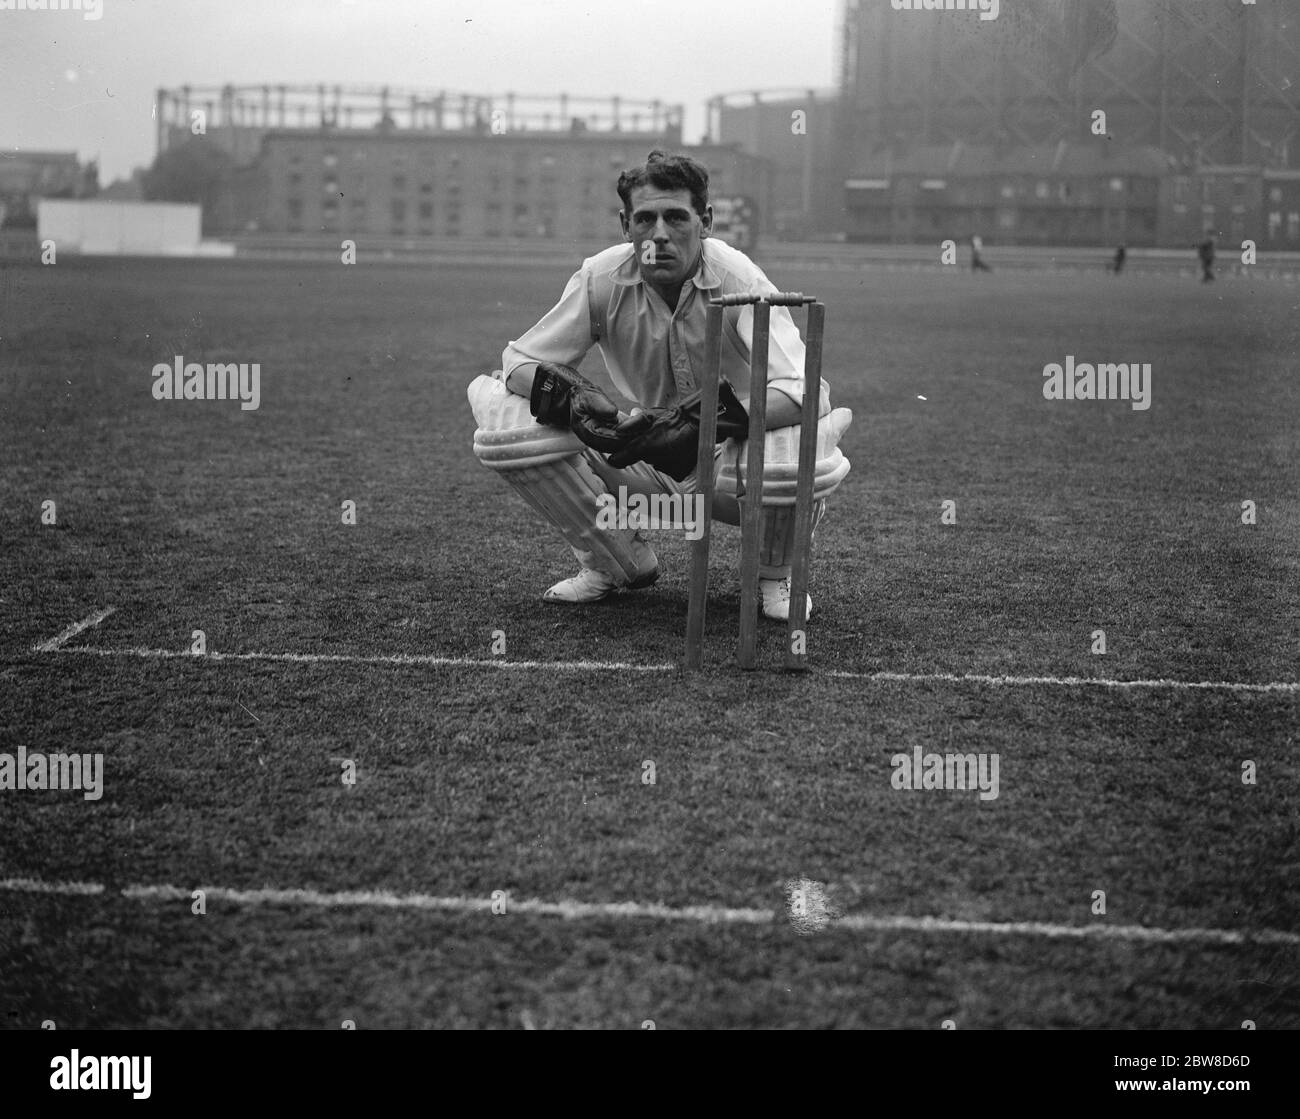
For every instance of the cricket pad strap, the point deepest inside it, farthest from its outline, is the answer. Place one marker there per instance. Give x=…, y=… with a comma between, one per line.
x=548, y=468
x=781, y=460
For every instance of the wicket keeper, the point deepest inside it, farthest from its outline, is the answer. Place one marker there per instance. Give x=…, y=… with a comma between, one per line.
x=562, y=442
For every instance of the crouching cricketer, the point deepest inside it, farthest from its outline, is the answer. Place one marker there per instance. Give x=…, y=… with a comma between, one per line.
x=564, y=445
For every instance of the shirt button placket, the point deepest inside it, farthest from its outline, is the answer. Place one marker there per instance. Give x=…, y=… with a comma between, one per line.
x=681, y=362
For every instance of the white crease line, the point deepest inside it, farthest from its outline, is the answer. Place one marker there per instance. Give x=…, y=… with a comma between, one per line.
x=56, y=642
x=701, y=914
x=391, y=658
x=1062, y=681
x=33, y=886
x=431, y=661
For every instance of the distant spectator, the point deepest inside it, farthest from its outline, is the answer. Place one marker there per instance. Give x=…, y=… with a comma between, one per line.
x=1121, y=254
x=1205, y=251
x=976, y=259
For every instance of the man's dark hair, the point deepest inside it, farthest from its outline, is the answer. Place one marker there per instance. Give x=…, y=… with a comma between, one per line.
x=666, y=172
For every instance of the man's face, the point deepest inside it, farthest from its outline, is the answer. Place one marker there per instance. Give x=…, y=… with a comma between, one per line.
x=667, y=232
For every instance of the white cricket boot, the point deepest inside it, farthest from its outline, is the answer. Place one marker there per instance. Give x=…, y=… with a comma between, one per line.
x=776, y=599
x=591, y=586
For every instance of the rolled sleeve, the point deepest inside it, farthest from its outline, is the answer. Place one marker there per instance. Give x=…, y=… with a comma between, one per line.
x=562, y=335
x=785, y=356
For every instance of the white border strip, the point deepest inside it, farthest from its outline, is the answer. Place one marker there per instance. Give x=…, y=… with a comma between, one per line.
x=1061, y=681
x=420, y=659
x=430, y=661
x=55, y=643
x=701, y=914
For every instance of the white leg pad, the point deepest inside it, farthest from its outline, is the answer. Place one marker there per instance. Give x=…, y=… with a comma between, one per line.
x=781, y=461
x=776, y=538
x=546, y=465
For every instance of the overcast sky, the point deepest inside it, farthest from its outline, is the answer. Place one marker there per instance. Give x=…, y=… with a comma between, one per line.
x=68, y=83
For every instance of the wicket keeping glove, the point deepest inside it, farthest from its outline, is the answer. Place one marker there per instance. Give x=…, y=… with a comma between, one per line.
x=563, y=397
x=669, y=438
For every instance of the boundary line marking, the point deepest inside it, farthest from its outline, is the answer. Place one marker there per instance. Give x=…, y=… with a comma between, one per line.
x=428, y=660
x=700, y=914
x=56, y=643
x=422, y=659
x=1062, y=681
x=432, y=661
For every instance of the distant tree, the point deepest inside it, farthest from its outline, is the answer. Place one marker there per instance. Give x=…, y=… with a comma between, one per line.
x=196, y=171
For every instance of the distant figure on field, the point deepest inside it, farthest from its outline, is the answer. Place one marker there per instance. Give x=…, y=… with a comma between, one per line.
x=1205, y=251
x=976, y=259
x=1121, y=254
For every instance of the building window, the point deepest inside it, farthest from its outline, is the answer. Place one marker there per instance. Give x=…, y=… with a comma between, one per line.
x=1275, y=195
x=1274, y=225
x=1207, y=190
x=426, y=188
x=426, y=211
x=1008, y=190
x=1043, y=190
x=329, y=159
x=1117, y=186
x=295, y=209
x=399, y=182
x=1064, y=192
x=330, y=186
x=399, y=211
x=295, y=179
x=1182, y=188
x=1293, y=226
x=359, y=155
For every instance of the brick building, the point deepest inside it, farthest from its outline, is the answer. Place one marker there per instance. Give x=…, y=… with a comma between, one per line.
x=524, y=185
x=419, y=163
x=1060, y=195
x=1281, y=211
x=27, y=177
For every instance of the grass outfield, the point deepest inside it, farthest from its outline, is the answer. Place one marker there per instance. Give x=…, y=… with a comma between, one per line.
x=226, y=773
